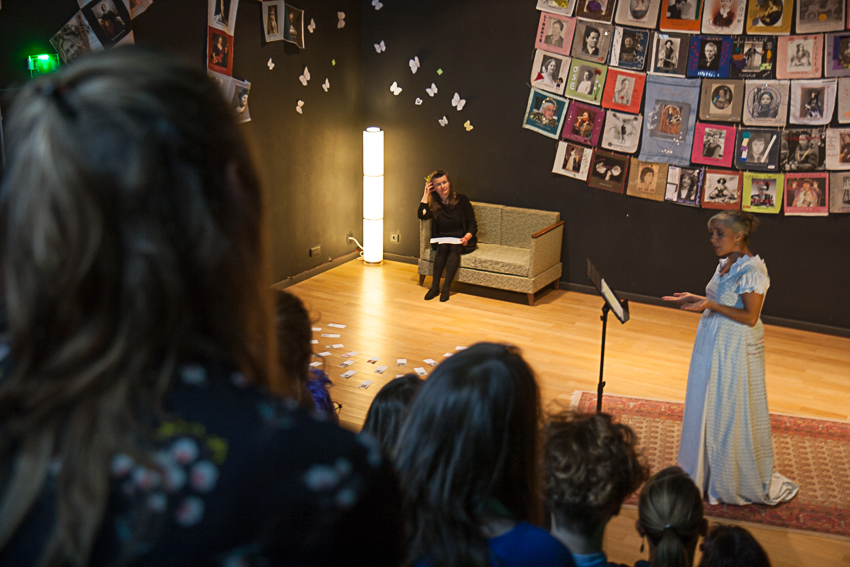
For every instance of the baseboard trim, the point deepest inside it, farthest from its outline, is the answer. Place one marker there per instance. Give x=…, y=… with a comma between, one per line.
x=307, y=274
x=400, y=258
x=768, y=319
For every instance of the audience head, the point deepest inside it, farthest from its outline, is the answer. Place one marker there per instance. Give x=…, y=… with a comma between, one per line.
x=294, y=333
x=389, y=408
x=732, y=546
x=670, y=516
x=591, y=467
x=467, y=448
x=130, y=239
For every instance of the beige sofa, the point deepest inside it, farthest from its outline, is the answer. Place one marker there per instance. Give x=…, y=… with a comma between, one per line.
x=518, y=250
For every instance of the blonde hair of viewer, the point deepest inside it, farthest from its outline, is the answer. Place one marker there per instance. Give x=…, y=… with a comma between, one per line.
x=131, y=239
x=670, y=513
x=737, y=221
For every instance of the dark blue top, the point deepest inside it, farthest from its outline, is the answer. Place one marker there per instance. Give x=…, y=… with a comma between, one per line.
x=241, y=478
x=528, y=545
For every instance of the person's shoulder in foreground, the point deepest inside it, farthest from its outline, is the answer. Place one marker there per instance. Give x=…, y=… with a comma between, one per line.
x=529, y=545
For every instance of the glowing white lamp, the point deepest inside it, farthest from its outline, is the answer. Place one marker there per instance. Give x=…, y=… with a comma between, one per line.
x=373, y=195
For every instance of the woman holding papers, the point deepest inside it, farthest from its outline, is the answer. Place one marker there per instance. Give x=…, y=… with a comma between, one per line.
x=726, y=445
x=454, y=218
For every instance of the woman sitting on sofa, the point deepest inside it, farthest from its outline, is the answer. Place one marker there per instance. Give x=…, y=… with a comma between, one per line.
x=452, y=216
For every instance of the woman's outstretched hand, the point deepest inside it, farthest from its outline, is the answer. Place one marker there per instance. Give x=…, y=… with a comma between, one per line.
x=689, y=301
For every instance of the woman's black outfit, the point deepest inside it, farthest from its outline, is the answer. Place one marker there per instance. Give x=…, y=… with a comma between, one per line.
x=457, y=221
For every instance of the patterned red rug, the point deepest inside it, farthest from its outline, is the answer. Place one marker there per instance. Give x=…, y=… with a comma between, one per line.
x=814, y=453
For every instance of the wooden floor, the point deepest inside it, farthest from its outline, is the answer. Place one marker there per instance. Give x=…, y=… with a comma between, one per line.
x=385, y=315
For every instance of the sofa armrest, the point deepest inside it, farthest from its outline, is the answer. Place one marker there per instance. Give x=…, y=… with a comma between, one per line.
x=424, y=238
x=546, y=248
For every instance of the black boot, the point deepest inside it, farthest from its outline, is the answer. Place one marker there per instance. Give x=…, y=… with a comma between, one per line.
x=432, y=293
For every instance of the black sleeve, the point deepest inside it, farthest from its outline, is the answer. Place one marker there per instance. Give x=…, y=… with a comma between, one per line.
x=424, y=212
x=469, y=215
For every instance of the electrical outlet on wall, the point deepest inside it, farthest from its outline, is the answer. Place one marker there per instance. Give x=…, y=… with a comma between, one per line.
x=395, y=237
x=315, y=251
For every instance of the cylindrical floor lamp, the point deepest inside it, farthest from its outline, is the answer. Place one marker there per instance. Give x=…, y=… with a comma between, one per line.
x=373, y=195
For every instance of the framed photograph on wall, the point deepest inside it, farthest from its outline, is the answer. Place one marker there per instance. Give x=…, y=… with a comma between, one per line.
x=622, y=131
x=560, y=7
x=710, y=56
x=837, y=62
x=592, y=41
x=807, y=194
x=608, y=171
x=273, y=12
x=572, y=160
x=220, y=52
x=545, y=113
x=722, y=189
x=721, y=100
x=549, y=71
x=815, y=16
x=714, y=144
x=583, y=123
x=586, y=81
x=803, y=149
x=839, y=195
x=647, y=180
x=629, y=48
x=555, y=33
x=771, y=17
x=762, y=192
x=799, y=57
x=724, y=17
x=638, y=13
x=838, y=149
x=757, y=149
x=684, y=185
x=812, y=102
x=844, y=101
x=671, y=109
x=623, y=90
x=222, y=15
x=753, y=57
x=596, y=10
x=669, y=54
x=680, y=15
x=766, y=103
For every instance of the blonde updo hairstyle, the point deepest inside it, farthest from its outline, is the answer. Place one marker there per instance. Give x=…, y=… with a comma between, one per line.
x=737, y=221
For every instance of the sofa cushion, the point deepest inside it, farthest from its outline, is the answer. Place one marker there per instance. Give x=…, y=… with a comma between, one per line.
x=489, y=220
x=498, y=259
x=519, y=224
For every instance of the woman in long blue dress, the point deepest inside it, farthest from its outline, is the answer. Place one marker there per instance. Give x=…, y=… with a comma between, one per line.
x=726, y=445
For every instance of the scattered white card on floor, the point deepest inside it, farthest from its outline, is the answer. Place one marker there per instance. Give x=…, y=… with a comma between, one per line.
x=348, y=374
x=460, y=348
x=338, y=345
x=330, y=336
x=430, y=362
x=448, y=354
x=314, y=342
x=316, y=364
x=326, y=353
x=399, y=375
x=365, y=384
x=350, y=354
x=401, y=362
x=374, y=359
x=380, y=369
x=336, y=325
x=346, y=363
x=317, y=328
x=420, y=371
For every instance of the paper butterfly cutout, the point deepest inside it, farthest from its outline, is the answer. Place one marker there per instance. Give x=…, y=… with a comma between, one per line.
x=298, y=108
x=395, y=89
x=432, y=90
x=377, y=4
x=418, y=101
x=270, y=64
x=341, y=22
x=326, y=85
x=305, y=77
x=414, y=65
x=443, y=121
x=380, y=46
x=458, y=102
x=467, y=125
x=312, y=26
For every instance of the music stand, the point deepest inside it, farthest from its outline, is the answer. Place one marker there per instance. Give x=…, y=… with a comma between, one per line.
x=620, y=307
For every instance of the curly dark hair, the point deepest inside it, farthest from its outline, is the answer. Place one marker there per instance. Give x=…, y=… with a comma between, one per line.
x=591, y=466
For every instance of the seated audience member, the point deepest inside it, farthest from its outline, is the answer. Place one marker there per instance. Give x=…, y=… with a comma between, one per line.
x=294, y=333
x=467, y=460
x=137, y=420
x=670, y=516
x=389, y=408
x=731, y=546
x=591, y=467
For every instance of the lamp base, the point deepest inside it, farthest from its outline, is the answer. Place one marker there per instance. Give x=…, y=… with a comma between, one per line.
x=378, y=263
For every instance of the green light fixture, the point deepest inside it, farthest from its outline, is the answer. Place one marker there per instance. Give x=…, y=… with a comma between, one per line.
x=43, y=64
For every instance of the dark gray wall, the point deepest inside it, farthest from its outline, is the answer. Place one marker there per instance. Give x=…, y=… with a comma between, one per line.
x=485, y=48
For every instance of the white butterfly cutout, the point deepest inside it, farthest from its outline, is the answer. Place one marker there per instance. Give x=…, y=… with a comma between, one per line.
x=443, y=121
x=458, y=102
x=467, y=125
x=418, y=101
x=341, y=22
x=270, y=64
x=432, y=90
x=305, y=77
x=395, y=89
x=312, y=26
x=298, y=108
x=326, y=85
x=377, y=4
x=380, y=46
x=414, y=65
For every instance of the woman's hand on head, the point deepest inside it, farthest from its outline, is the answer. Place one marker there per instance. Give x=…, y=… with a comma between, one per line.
x=429, y=187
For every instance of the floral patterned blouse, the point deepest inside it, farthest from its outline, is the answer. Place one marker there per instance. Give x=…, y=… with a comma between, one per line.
x=241, y=478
